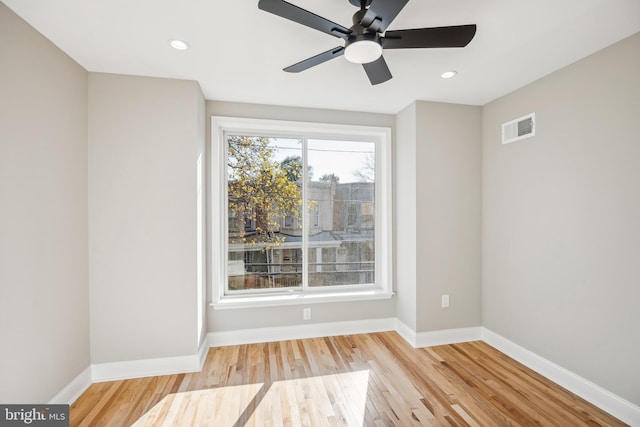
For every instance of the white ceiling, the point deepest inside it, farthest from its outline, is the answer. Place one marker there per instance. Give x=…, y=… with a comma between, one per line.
x=238, y=51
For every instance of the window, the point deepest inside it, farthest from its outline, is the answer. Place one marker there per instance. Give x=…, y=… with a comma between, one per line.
x=314, y=202
x=315, y=213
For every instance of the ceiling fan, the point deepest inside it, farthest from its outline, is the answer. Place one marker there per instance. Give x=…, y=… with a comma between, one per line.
x=367, y=37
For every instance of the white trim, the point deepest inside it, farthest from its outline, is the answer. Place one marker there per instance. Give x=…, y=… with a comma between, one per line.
x=203, y=351
x=447, y=336
x=382, y=137
x=295, y=298
x=593, y=393
x=311, y=330
x=216, y=207
x=74, y=389
x=406, y=332
x=442, y=337
x=146, y=367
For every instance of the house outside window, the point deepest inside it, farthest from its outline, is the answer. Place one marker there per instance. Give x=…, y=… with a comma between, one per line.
x=315, y=214
x=288, y=221
x=316, y=203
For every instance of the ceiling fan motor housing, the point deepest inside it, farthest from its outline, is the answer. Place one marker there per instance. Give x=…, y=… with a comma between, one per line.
x=358, y=3
x=361, y=25
x=354, y=38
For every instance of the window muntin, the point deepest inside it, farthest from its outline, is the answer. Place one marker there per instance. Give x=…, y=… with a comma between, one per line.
x=250, y=269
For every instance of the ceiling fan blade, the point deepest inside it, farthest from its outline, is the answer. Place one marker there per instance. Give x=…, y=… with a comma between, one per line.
x=304, y=17
x=453, y=36
x=377, y=71
x=381, y=13
x=315, y=60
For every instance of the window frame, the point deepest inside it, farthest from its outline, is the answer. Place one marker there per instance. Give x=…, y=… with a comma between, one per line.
x=381, y=136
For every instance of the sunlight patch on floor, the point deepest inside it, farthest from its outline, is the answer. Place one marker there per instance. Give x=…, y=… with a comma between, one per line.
x=337, y=399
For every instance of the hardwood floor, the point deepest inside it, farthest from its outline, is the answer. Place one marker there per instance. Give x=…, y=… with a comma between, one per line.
x=354, y=380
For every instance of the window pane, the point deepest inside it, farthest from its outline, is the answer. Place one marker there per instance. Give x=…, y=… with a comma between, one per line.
x=341, y=194
x=264, y=201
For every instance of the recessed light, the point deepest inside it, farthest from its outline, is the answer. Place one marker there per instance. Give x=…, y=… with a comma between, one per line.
x=179, y=44
x=448, y=74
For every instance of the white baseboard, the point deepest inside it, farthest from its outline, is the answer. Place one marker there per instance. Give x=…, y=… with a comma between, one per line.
x=74, y=389
x=145, y=368
x=593, y=393
x=310, y=330
x=406, y=332
x=202, y=352
x=447, y=336
x=431, y=338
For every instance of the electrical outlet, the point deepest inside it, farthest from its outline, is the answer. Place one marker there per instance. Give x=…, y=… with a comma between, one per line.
x=306, y=313
x=445, y=301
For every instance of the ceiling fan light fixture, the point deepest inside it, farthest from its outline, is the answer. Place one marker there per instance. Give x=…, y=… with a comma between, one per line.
x=363, y=51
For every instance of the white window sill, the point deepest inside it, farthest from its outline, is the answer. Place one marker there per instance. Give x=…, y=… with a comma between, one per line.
x=298, y=298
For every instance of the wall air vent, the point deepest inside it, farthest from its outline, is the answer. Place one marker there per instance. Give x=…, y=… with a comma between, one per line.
x=520, y=128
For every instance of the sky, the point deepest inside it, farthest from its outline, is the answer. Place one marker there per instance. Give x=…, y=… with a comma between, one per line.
x=341, y=158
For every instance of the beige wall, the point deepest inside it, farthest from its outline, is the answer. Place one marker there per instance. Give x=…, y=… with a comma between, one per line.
x=405, y=192
x=44, y=300
x=561, y=219
x=449, y=207
x=438, y=210
x=225, y=320
x=144, y=145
